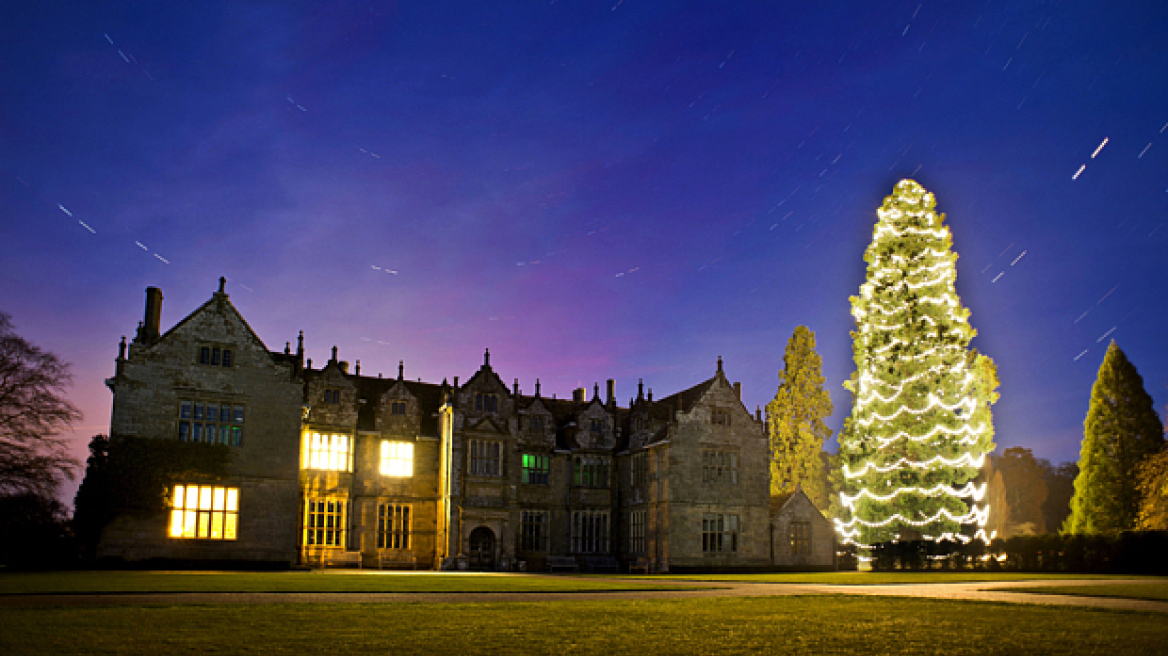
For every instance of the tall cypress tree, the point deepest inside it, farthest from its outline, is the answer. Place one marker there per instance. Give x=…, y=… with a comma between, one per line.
x=795, y=421
x=920, y=424
x=1122, y=428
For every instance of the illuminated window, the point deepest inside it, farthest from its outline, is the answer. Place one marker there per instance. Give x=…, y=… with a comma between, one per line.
x=214, y=422
x=640, y=470
x=637, y=519
x=393, y=526
x=328, y=452
x=590, y=531
x=535, y=469
x=590, y=471
x=484, y=458
x=720, y=417
x=397, y=458
x=719, y=533
x=719, y=467
x=800, y=537
x=533, y=530
x=486, y=403
x=204, y=512
x=324, y=524
x=215, y=356
x=397, y=407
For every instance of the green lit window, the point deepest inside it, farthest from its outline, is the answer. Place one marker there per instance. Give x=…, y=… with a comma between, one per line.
x=211, y=422
x=535, y=469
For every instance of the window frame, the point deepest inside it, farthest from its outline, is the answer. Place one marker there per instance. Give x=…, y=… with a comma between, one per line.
x=397, y=459
x=393, y=525
x=215, y=509
x=485, y=458
x=319, y=456
x=534, y=529
x=799, y=538
x=590, y=532
x=328, y=534
x=193, y=419
x=720, y=532
x=535, y=468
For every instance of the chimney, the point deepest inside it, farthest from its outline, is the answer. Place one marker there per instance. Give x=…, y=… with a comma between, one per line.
x=153, y=320
x=578, y=394
x=738, y=390
x=611, y=392
x=515, y=389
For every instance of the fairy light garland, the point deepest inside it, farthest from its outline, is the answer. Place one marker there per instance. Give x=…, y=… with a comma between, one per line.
x=920, y=426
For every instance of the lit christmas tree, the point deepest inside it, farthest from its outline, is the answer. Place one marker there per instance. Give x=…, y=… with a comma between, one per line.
x=920, y=425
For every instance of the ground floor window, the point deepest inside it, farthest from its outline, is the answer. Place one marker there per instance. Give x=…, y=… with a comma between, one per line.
x=719, y=533
x=206, y=512
x=590, y=531
x=533, y=530
x=324, y=523
x=637, y=531
x=393, y=526
x=800, y=535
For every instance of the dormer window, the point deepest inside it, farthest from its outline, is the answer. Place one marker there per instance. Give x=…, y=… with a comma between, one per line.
x=397, y=407
x=535, y=424
x=486, y=403
x=332, y=396
x=215, y=356
x=597, y=426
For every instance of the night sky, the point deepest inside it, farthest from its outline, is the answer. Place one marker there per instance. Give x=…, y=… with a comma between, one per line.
x=622, y=189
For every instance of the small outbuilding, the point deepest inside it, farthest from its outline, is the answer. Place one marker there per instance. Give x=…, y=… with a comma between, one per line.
x=801, y=537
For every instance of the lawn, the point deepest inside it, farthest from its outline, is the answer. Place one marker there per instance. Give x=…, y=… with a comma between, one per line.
x=1153, y=591
x=884, y=578
x=789, y=625
x=332, y=581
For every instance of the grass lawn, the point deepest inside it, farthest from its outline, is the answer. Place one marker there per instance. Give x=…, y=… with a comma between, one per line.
x=788, y=625
x=332, y=581
x=886, y=578
x=1153, y=591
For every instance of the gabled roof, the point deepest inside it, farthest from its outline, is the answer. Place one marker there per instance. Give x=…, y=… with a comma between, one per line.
x=665, y=407
x=220, y=297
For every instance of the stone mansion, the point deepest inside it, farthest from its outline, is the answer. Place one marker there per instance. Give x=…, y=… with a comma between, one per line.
x=329, y=466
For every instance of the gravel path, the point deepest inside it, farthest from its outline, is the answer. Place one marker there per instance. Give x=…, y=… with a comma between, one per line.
x=977, y=591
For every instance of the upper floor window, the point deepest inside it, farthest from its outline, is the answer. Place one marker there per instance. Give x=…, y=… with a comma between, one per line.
x=397, y=458
x=640, y=468
x=596, y=426
x=720, y=417
x=486, y=403
x=212, y=422
x=590, y=471
x=204, y=511
x=332, y=396
x=638, y=424
x=397, y=407
x=327, y=452
x=215, y=356
x=719, y=533
x=719, y=467
x=535, y=423
x=535, y=469
x=484, y=458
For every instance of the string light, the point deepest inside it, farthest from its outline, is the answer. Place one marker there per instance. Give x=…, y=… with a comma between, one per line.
x=970, y=490
x=965, y=460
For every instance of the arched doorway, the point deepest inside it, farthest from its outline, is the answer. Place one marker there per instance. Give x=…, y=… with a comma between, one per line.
x=482, y=549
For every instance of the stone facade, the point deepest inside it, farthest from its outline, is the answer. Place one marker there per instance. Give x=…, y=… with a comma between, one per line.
x=330, y=466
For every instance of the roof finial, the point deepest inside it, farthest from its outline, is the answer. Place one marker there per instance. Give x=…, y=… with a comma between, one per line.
x=334, y=353
x=596, y=391
x=537, y=387
x=719, y=364
x=487, y=358
x=122, y=349
x=358, y=372
x=222, y=283
x=401, y=369
x=640, y=389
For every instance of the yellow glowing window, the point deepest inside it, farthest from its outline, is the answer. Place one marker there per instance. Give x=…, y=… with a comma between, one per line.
x=206, y=512
x=328, y=452
x=324, y=524
x=397, y=458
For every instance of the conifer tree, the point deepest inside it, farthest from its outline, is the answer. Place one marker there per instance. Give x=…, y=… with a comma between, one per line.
x=920, y=425
x=1121, y=429
x=795, y=421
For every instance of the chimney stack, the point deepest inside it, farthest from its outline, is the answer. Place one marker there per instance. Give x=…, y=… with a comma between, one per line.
x=578, y=394
x=738, y=390
x=153, y=319
x=611, y=392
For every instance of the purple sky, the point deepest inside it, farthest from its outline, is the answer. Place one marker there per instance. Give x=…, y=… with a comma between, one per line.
x=594, y=190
